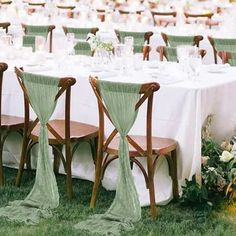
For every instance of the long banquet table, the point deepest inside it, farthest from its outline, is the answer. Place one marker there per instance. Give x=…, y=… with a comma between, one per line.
x=180, y=108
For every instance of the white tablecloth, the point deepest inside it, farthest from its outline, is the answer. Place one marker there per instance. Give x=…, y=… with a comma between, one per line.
x=180, y=108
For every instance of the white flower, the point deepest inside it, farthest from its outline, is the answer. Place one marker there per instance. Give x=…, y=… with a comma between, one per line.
x=226, y=156
x=211, y=168
x=205, y=159
x=226, y=146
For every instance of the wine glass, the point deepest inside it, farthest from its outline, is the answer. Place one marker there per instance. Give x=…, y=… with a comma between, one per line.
x=195, y=63
x=120, y=54
x=40, y=43
x=70, y=43
x=129, y=43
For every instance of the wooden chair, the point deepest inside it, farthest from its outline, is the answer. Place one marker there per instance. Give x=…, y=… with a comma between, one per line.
x=228, y=57
x=6, y=2
x=37, y=4
x=7, y=123
x=34, y=30
x=222, y=44
x=207, y=16
x=176, y=40
x=170, y=53
x=5, y=25
x=163, y=20
x=124, y=11
x=61, y=132
x=68, y=8
x=140, y=38
x=139, y=146
x=82, y=47
x=80, y=33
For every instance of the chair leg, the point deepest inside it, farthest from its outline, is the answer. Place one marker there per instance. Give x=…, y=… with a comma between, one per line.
x=172, y=162
x=22, y=161
x=68, y=171
x=153, y=209
x=98, y=171
x=1, y=167
x=57, y=160
x=175, y=176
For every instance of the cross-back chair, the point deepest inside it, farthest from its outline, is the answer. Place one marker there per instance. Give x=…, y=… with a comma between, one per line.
x=176, y=40
x=82, y=47
x=139, y=146
x=222, y=44
x=79, y=32
x=38, y=30
x=164, y=18
x=196, y=16
x=6, y=2
x=61, y=132
x=228, y=57
x=140, y=39
x=7, y=123
x=5, y=25
x=170, y=53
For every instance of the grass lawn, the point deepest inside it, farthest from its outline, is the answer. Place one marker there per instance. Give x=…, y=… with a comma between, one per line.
x=173, y=219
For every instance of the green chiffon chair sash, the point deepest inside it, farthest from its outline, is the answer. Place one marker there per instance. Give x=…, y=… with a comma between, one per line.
x=120, y=100
x=171, y=54
x=225, y=44
x=29, y=41
x=82, y=48
x=40, y=30
x=44, y=195
x=232, y=60
x=80, y=33
x=138, y=39
x=176, y=40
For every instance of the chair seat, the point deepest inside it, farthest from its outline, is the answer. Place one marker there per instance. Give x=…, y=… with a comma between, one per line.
x=12, y=121
x=160, y=146
x=78, y=131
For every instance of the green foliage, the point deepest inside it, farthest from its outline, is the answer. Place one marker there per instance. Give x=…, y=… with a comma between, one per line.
x=195, y=195
x=211, y=149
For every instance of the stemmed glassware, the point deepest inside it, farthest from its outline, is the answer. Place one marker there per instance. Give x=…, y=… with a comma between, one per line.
x=70, y=43
x=195, y=63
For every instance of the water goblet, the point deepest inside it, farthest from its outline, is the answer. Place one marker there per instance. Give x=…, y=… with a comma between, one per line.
x=195, y=63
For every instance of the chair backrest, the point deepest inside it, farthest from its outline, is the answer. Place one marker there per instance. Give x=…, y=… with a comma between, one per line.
x=80, y=33
x=146, y=91
x=140, y=39
x=228, y=57
x=197, y=15
x=170, y=53
x=221, y=44
x=3, y=67
x=40, y=4
x=39, y=30
x=5, y=25
x=163, y=14
x=124, y=11
x=208, y=17
x=177, y=40
x=64, y=85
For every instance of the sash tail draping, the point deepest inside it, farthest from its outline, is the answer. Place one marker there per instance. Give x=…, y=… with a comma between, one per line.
x=120, y=100
x=44, y=194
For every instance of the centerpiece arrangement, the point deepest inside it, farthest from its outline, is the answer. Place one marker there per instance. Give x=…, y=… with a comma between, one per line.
x=97, y=44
